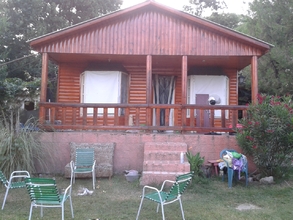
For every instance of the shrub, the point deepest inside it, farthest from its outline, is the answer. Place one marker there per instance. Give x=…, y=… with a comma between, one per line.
x=20, y=148
x=267, y=134
x=196, y=162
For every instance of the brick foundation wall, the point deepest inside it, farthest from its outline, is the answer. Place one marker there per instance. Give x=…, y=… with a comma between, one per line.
x=129, y=149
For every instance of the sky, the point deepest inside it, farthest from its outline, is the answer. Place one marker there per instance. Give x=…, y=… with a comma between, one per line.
x=234, y=6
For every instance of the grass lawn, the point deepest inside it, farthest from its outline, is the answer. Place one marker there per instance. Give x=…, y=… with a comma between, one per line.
x=118, y=199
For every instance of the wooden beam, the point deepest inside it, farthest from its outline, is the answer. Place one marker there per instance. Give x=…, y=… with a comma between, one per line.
x=44, y=80
x=184, y=88
x=149, y=79
x=184, y=80
x=149, y=88
x=254, y=80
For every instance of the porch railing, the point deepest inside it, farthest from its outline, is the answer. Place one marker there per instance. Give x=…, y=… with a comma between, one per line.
x=147, y=117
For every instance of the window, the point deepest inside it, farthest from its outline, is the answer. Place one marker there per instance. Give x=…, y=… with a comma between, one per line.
x=104, y=87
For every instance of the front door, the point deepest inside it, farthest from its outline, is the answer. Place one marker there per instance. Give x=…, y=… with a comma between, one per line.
x=202, y=99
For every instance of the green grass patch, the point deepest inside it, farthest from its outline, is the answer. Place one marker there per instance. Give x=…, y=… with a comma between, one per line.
x=118, y=199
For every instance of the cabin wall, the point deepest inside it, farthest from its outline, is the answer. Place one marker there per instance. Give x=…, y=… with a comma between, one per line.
x=69, y=89
x=150, y=32
x=129, y=149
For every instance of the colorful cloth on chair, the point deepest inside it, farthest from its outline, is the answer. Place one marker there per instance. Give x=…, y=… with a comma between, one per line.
x=239, y=164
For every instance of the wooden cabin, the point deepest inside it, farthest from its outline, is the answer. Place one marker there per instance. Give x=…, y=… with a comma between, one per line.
x=148, y=67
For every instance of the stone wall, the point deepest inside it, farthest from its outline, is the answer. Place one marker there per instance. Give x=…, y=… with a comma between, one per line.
x=104, y=154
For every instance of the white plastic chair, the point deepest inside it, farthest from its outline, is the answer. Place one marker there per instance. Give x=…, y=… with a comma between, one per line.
x=15, y=181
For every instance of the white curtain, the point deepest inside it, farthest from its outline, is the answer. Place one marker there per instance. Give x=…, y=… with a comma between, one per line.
x=101, y=87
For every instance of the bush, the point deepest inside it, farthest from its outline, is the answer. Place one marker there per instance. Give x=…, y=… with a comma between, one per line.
x=196, y=162
x=20, y=148
x=267, y=134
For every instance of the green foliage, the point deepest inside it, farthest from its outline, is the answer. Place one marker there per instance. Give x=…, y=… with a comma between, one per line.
x=267, y=134
x=271, y=21
x=20, y=149
x=23, y=20
x=230, y=20
x=196, y=162
x=197, y=7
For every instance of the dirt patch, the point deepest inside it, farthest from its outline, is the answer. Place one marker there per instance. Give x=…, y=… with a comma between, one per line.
x=247, y=206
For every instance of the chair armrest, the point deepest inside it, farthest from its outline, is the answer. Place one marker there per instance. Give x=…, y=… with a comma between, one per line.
x=166, y=181
x=67, y=193
x=19, y=174
x=150, y=188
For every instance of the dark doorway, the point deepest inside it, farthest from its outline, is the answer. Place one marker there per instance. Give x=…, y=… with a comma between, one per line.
x=163, y=93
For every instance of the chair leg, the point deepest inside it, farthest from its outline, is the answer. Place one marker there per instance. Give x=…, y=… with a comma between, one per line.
x=140, y=205
x=181, y=207
x=230, y=177
x=71, y=207
x=31, y=212
x=94, y=179
x=5, y=197
x=62, y=210
x=163, y=214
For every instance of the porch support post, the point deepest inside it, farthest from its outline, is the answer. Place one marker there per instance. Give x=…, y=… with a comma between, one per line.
x=184, y=88
x=149, y=88
x=254, y=80
x=44, y=82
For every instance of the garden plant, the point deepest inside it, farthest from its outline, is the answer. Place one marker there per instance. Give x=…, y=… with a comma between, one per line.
x=20, y=147
x=267, y=134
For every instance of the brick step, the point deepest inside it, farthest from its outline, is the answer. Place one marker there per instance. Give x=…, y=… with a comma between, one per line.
x=165, y=166
x=165, y=146
x=163, y=155
x=157, y=178
x=162, y=161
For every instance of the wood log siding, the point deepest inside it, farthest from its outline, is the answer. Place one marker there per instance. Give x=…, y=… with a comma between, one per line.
x=69, y=91
x=149, y=32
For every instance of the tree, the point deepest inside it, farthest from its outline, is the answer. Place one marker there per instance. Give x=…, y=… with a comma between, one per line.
x=271, y=21
x=230, y=20
x=197, y=7
x=22, y=20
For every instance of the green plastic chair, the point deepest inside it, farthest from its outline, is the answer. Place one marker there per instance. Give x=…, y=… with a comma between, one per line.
x=43, y=192
x=231, y=172
x=162, y=197
x=84, y=163
x=15, y=181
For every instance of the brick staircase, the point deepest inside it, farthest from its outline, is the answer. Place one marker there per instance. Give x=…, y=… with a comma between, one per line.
x=162, y=161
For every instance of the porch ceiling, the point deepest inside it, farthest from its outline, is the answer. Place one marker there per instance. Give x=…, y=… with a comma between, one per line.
x=229, y=62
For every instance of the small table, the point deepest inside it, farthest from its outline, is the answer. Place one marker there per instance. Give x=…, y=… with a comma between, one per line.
x=215, y=163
